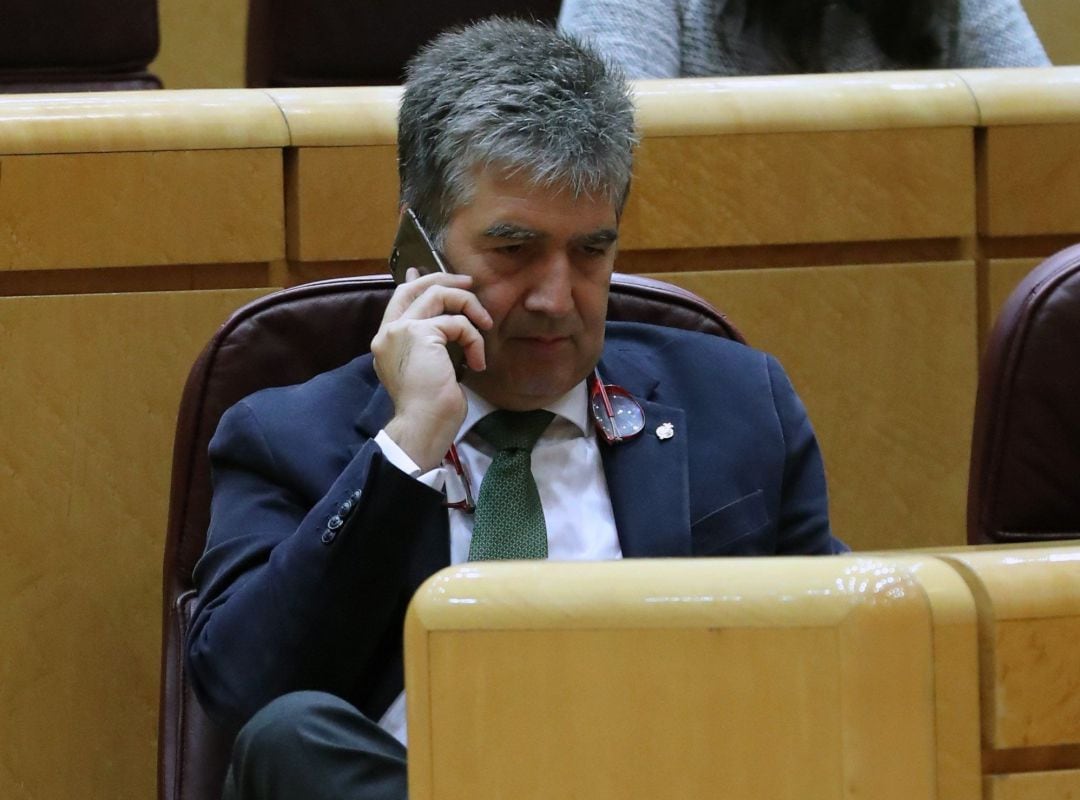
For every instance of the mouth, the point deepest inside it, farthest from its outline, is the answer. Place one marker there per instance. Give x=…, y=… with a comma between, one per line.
x=543, y=343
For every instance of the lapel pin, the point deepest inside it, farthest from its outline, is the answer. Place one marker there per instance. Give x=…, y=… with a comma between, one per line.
x=665, y=431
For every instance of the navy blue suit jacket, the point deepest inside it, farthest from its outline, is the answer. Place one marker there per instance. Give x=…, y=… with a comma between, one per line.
x=292, y=598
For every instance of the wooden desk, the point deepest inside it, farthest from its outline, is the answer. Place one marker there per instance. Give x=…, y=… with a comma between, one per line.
x=784, y=678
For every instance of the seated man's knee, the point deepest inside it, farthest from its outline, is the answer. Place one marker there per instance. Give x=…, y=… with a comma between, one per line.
x=283, y=725
x=315, y=746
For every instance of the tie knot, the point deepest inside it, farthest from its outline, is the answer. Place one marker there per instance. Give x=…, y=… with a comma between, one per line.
x=513, y=430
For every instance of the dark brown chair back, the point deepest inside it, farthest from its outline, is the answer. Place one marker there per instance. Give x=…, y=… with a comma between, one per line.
x=77, y=45
x=350, y=43
x=285, y=338
x=1025, y=456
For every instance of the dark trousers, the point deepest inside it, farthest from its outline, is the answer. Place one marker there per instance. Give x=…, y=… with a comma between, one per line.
x=311, y=746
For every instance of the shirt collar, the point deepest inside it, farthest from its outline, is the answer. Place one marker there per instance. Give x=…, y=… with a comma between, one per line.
x=572, y=406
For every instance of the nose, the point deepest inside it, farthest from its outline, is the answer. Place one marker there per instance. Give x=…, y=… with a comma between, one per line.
x=551, y=291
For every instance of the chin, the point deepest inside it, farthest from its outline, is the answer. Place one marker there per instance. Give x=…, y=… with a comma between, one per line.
x=544, y=386
x=532, y=388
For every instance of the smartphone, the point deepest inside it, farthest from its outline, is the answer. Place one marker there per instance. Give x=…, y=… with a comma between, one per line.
x=413, y=248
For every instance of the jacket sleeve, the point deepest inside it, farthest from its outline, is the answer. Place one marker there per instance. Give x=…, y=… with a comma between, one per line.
x=996, y=33
x=291, y=596
x=804, y=501
x=641, y=36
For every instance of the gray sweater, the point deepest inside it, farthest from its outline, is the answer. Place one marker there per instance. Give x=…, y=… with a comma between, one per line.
x=694, y=38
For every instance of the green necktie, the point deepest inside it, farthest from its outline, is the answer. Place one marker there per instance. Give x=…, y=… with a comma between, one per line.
x=509, y=520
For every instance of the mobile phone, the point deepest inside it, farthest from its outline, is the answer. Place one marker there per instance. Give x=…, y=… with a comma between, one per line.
x=413, y=248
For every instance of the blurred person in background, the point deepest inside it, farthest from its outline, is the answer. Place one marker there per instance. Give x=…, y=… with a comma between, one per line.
x=700, y=38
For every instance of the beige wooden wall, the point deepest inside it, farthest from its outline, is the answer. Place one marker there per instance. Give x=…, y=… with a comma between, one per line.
x=126, y=224
x=203, y=44
x=1058, y=24
x=862, y=227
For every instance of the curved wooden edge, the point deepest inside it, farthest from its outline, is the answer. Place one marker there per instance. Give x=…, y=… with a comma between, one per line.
x=797, y=103
x=321, y=117
x=338, y=117
x=1018, y=583
x=97, y=122
x=1025, y=96
x=643, y=593
x=358, y=116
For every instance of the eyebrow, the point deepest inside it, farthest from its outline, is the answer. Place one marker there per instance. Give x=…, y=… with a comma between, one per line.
x=604, y=236
x=507, y=230
x=517, y=233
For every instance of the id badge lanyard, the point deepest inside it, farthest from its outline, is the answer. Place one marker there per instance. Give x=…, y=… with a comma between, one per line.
x=616, y=415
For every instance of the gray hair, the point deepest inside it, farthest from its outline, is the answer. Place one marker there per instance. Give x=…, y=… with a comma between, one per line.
x=512, y=95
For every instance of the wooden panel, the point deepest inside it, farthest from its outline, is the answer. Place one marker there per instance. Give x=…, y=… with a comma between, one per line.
x=203, y=43
x=956, y=686
x=133, y=209
x=884, y=357
x=342, y=202
x=1029, y=642
x=741, y=190
x=1003, y=276
x=90, y=390
x=1032, y=180
x=1063, y=785
x=661, y=678
x=1037, y=680
x=1058, y=24
x=809, y=187
x=643, y=736
x=135, y=279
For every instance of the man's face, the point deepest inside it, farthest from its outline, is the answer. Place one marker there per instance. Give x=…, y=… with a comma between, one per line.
x=541, y=263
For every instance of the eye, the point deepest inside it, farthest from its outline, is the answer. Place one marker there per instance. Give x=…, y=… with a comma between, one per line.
x=510, y=249
x=595, y=250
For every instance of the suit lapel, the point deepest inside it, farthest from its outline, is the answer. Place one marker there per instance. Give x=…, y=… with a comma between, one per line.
x=647, y=476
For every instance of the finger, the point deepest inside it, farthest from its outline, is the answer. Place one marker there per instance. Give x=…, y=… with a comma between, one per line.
x=439, y=300
x=458, y=328
x=406, y=293
x=425, y=338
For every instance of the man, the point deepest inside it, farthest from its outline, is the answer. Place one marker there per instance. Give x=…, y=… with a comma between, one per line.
x=330, y=498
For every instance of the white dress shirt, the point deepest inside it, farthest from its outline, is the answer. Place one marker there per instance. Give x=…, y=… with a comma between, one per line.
x=569, y=477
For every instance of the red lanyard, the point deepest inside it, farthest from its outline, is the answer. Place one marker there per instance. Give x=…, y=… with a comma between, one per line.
x=616, y=415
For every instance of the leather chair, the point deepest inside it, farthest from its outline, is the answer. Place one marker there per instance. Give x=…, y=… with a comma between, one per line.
x=77, y=45
x=351, y=43
x=1025, y=460
x=285, y=338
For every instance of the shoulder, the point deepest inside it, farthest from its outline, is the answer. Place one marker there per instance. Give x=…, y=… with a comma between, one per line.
x=678, y=344
x=341, y=385
x=695, y=365
x=321, y=406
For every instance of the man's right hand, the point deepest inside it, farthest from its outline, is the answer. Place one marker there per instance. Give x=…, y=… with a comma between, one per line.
x=423, y=316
